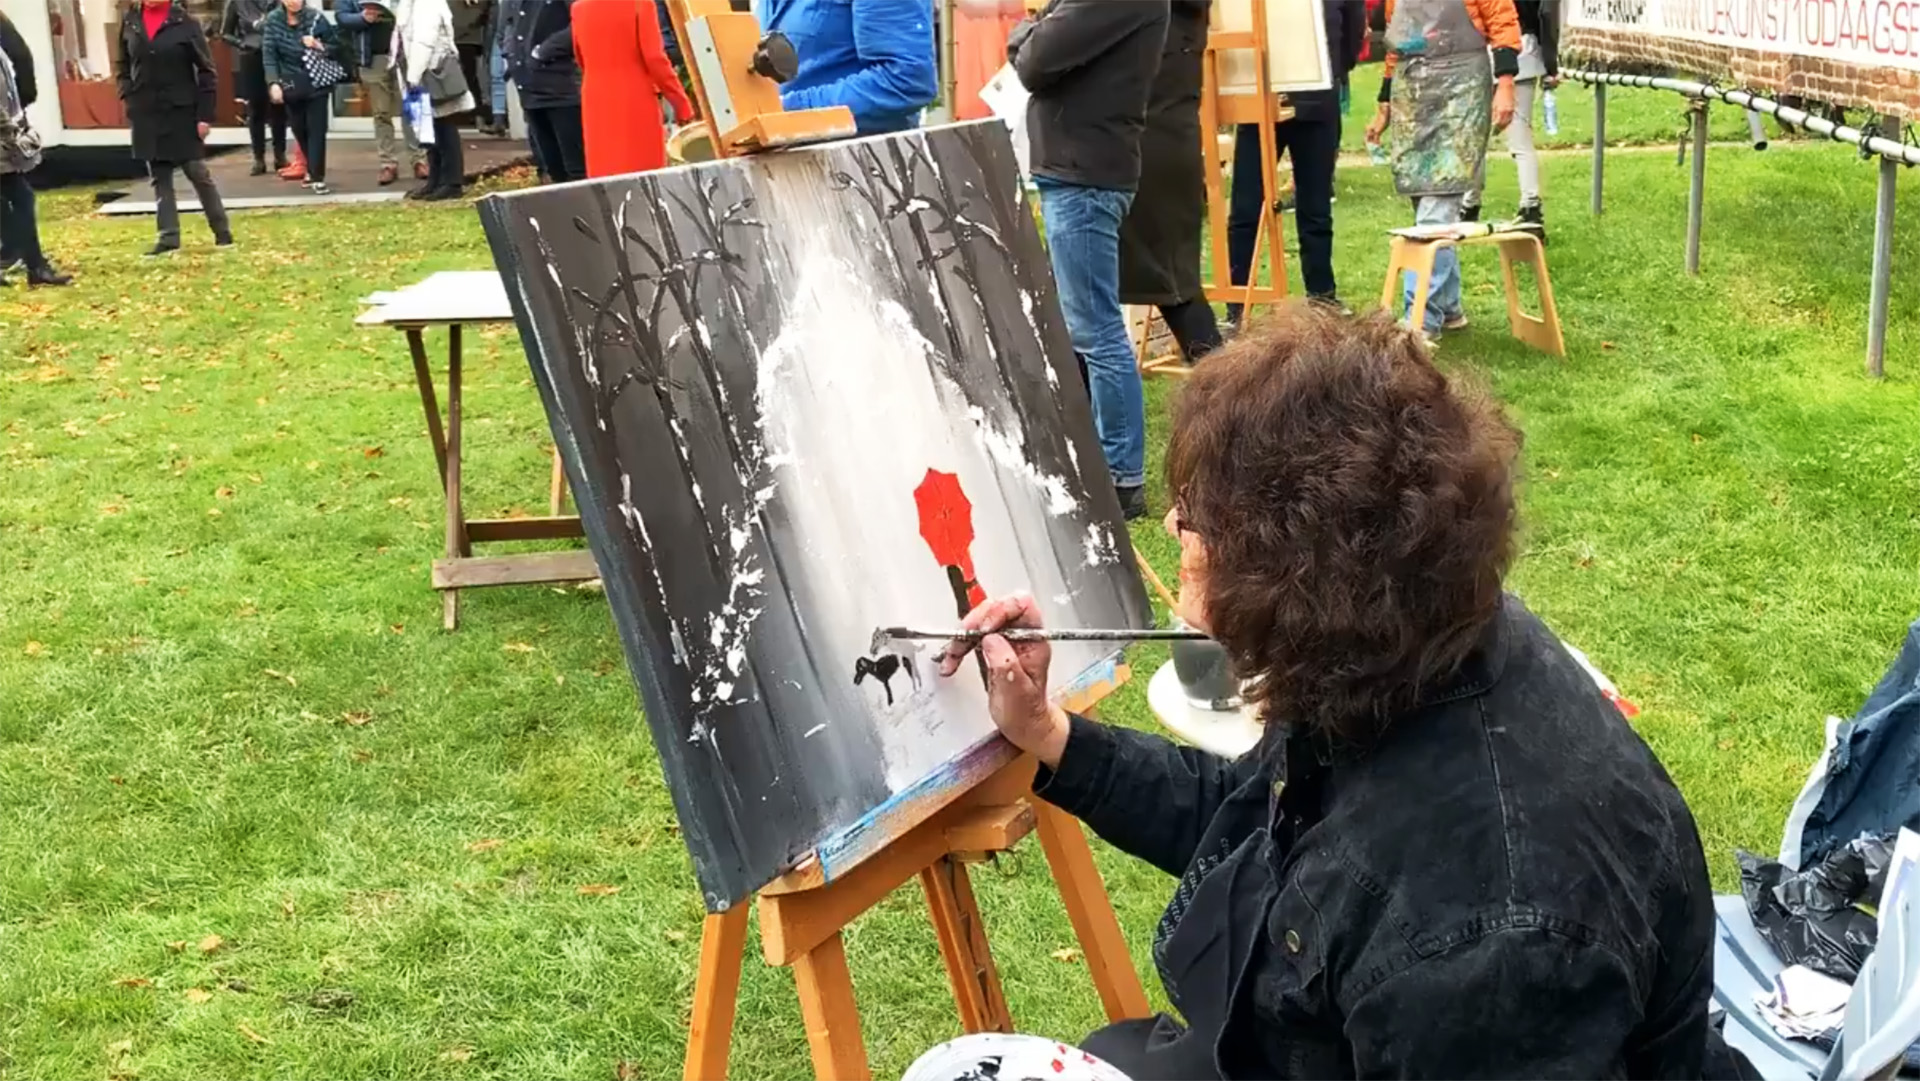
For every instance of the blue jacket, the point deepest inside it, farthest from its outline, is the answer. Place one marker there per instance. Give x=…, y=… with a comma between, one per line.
x=876, y=57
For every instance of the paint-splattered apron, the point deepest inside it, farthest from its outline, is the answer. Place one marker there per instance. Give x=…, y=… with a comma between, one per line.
x=1442, y=98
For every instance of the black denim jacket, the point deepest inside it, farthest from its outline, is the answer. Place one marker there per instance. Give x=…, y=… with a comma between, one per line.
x=1505, y=884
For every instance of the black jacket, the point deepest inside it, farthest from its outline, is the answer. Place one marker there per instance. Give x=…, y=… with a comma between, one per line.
x=1089, y=65
x=1160, y=236
x=241, y=21
x=551, y=80
x=168, y=83
x=1541, y=18
x=1506, y=884
x=1346, y=36
x=14, y=44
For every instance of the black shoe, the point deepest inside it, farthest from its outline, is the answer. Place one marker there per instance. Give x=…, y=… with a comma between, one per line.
x=1469, y=213
x=225, y=240
x=259, y=167
x=280, y=162
x=161, y=250
x=1534, y=218
x=1133, y=500
x=420, y=191
x=1331, y=303
x=44, y=274
x=442, y=194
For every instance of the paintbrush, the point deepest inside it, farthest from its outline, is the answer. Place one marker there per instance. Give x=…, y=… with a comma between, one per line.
x=883, y=635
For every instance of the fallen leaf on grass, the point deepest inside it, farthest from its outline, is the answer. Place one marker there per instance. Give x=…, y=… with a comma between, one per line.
x=357, y=718
x=247, y=1031
x=291, y=682
x=517, y=647
x=487, y=845
x=1065, y=953
x=1606, y=345
x=121, y=1047
x=213, y=512
x=177, y=945
x=134, y=982
x=111, y=509
x=211, y=943
x=598, y=890
x=456, y=1054
x=676, y=936
x=374, y=452
x=330, y=998
x=398, y=628
x=35, y=649
x=362, y=756
x=625, y=1071
x=198, y=996
x=287, y=906
x=223, y=492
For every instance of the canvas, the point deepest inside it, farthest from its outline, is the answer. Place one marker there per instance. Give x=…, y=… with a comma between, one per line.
x=800, y=396
x=1297, y=57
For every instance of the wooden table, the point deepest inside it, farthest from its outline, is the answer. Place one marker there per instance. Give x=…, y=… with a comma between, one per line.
x=1228, y=733
x=456, y=300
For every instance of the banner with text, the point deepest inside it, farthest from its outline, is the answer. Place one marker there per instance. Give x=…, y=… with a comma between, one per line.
x=1873, y=33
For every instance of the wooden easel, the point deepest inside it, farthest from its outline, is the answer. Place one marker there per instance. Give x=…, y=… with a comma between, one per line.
x=803, y=912
x=801, y=918
x=1265, y=109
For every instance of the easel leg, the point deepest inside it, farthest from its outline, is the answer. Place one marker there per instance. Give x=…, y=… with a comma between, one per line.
x=457, y=545
x=963, y=945
x=723, y=946
x=1091, y=912
x=557, y=488
x=423, y=375
x=831, y=1015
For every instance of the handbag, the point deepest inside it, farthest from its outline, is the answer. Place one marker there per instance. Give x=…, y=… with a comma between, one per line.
x=317, y=74
x=443, y=81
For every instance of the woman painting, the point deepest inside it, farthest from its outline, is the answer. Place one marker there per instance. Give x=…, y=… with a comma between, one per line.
x=168, y=83
x=623, y=60
x=1449, y=856
x=430, y=59
x=1160, y=236
x=285, y=38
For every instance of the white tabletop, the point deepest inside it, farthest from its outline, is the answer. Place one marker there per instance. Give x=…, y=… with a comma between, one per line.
x=1231, y=733
x=450, y=296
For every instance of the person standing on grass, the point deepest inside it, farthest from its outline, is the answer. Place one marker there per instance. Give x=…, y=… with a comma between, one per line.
x=168, y=83
x=1312, y=141
x=1449, y=73
x=285, y=39
x=241, y=24
x=430, y=59
x=1539, y=68
x=19, y=155
x=1090, y=65
x=875, y=57
x=549, y=85
x=368, y=26
x=1160, y=236
x=624, y=73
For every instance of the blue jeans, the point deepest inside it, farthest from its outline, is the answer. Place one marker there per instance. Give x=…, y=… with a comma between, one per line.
x=497, y=81
x=1083, y=241
x=1443, y=289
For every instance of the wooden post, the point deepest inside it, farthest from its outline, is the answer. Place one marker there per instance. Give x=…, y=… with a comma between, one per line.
x=457, y=545
x=723, y=946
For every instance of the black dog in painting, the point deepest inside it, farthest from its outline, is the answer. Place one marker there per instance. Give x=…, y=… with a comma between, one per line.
x=883, y=668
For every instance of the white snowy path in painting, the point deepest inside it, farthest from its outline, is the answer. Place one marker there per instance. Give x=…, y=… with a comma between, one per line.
x=856, y=415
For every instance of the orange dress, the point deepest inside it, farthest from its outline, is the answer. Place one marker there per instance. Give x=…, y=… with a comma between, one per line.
x=624, y=60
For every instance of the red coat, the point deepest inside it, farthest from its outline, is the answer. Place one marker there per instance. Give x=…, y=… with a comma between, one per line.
x=624, y=60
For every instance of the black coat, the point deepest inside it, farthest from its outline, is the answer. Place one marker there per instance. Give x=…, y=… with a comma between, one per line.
x=1160, y=238
x=168, y=84
x=1089, y=65
x=551, y=80
x=1505, y=884
x=15, y=46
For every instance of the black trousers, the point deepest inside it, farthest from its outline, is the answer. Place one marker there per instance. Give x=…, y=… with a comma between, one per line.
x=250, y=84
x=446, y=158
x=309, y=120
x=1314, y=147
x=558, y=145
x=479, y=76
x=1193, y=326
x=19, y=224
x=167, y=204
x=1156, y=1048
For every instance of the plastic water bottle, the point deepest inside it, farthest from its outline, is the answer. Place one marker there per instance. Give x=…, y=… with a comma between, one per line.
x=1551, y=110
x=1377, y=153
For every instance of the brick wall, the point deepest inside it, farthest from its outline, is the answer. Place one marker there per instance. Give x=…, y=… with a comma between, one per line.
x=1890, y=91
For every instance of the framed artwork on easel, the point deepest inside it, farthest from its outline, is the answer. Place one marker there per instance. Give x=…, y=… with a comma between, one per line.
x=1296, y=41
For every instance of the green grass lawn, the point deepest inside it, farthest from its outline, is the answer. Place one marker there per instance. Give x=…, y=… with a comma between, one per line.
x=259, y=816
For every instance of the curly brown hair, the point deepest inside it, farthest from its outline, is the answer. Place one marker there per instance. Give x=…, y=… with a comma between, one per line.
x=1356, y=512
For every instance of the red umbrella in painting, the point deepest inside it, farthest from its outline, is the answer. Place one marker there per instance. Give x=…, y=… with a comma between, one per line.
x=946, y=524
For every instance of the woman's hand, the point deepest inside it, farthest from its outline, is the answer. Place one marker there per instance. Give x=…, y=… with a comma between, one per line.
x=203, y=128
x=1016, y=677
x=312, y=42
x=1503, y=103
x=275, y=94
x=1378, y=125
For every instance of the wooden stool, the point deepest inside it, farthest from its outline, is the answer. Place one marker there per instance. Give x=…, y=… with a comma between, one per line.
x=1415, y=255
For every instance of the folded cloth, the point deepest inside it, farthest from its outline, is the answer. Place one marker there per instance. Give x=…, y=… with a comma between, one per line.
x=1803, y=1004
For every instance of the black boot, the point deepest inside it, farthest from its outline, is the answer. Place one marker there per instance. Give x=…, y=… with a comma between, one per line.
x=45, y=274
x=1133, y=500
x=1534, y=219
x=259, y=166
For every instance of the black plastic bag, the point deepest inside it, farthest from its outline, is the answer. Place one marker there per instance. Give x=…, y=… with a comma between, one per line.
x=1811, y=917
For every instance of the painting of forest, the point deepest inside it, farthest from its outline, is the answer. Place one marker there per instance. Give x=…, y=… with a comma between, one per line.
x=802, y=395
